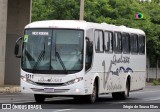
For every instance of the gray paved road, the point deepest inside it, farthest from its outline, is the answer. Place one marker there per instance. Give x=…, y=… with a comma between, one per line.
x=144, y=98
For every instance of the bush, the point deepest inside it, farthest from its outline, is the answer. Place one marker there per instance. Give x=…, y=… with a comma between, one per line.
x=155, y=82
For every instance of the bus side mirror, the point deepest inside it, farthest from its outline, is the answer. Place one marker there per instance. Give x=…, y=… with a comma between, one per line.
x=16, y=49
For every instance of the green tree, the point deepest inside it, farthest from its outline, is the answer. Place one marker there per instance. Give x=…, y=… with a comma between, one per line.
x=55, y=9
x=118, y=12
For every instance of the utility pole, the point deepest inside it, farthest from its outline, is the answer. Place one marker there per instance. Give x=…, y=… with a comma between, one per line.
x=81, y=10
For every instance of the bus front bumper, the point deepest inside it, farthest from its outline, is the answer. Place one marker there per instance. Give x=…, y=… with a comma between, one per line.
x=72, y=89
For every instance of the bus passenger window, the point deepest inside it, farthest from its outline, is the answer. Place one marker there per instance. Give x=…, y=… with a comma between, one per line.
x=125, y=43
x=141, y=44
x=99, y=41
x=89, y=53
x=118, y=42
x=108, y=41
x=134, y=43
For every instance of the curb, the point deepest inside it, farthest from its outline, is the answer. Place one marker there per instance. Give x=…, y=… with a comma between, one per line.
x=10, y=89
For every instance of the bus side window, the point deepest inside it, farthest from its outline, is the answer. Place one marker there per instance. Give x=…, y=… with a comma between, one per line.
x=108, y=41
x=141, y=44
x=89, y=54
x=99, y=41
x=134, y=43
x=125, y=43
x=117, y=42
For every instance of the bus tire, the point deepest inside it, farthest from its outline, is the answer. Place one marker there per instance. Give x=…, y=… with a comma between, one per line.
x=125, y=94
x=93, y=97
x=116, y=95
x=122, y=95
x=39, y=98
x=78, y=98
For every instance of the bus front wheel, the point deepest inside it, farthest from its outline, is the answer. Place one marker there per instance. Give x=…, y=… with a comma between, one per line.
x=39, y=98
x=92, y=98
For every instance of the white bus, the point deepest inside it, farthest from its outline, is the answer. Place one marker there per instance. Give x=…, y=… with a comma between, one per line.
x=81, y=59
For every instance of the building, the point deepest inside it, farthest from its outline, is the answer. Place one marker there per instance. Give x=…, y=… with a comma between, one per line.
x=14, y=15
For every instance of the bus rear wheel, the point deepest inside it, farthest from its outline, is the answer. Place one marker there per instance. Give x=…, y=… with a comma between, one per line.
x=39, y=98
x=125, y=94
x=122, y=95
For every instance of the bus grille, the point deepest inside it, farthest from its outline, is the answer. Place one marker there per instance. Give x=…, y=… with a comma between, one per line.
x=55, y=90
x=50, y=84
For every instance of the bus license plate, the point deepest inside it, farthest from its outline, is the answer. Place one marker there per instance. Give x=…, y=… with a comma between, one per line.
x=48, y=90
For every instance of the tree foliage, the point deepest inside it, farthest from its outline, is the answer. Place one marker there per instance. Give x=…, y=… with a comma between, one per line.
x=118, y=12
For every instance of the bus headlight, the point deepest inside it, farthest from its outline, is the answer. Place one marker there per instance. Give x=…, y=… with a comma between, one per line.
x=74, y=81
x=27, y=80
x=24, y=78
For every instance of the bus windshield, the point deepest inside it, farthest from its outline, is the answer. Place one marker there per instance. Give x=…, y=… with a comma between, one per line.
x=58, y=51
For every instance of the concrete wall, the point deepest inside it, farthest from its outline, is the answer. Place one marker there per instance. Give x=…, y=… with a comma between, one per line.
x=152, y=72
x=19, y=12
x=3, y=21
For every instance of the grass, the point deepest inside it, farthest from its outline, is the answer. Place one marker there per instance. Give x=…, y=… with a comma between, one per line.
x=155, y=82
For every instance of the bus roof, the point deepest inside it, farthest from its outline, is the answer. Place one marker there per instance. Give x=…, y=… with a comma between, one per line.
x=79, y=24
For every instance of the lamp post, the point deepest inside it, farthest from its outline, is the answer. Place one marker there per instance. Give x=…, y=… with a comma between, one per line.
x=81, y=10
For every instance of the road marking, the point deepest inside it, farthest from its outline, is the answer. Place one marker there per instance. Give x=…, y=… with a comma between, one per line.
x=135, y=92
x=135, y=101
x=144, y=91
x=113, y=103
x=32, y=99
x=8, y=95
x=24, y=102
x=151, y=99
x=62, y=110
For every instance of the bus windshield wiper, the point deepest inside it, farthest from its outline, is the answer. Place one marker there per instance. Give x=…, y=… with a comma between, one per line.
x=60, y=60
x=39, y=58
x=29, y=56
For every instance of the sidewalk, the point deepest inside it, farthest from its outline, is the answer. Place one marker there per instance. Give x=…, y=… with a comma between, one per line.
x=10, y=89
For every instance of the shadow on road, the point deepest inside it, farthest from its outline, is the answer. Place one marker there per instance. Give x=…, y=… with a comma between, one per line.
x=83, y=101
